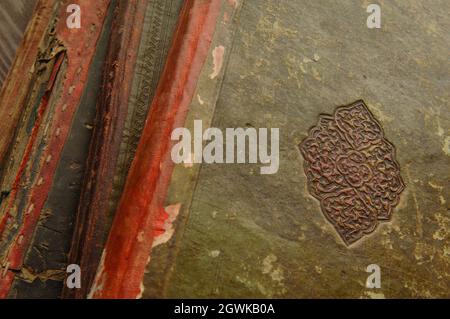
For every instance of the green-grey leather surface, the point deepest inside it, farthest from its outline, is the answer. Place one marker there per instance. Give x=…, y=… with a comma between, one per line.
x=251, y=235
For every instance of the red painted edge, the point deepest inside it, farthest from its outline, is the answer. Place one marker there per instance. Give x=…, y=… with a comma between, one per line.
x=32, y=139
x=129, y=244
x=112, y=107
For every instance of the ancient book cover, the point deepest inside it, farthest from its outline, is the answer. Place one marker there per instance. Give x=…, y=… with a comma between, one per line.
x=350, y=178
x=228, y=149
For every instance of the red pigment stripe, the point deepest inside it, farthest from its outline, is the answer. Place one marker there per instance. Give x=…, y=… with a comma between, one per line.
x=28, y=152
x=33, y=136
x=113, y=104
x=80, y=47
x=129, y=244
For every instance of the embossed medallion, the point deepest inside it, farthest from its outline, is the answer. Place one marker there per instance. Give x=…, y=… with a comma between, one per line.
x=351, y=169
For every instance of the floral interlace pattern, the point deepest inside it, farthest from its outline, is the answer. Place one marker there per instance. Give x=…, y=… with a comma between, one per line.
x=351, y=169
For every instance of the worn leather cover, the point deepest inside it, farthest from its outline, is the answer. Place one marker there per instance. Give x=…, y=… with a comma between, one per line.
x=228, y=231
x=364, y=144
